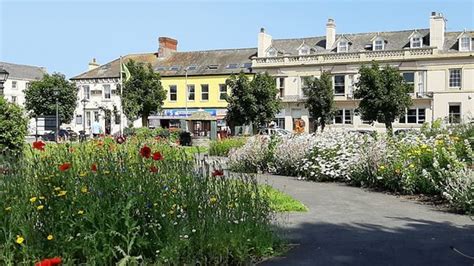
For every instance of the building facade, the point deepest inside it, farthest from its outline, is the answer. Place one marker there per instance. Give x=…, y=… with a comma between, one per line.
x=438, y=64
x=194, y=82
x=19, y=78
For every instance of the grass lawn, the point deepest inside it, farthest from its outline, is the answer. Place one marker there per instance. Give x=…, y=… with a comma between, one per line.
x=281, y=202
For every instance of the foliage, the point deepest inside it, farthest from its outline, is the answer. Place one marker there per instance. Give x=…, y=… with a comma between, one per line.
x=185, y=138
x=143, y=94
x=13, y=128
x=40, y=98
x=222, y=147
x=144, y=132
x=252, y=102
x=281, y=202
x=254, y=156
x=320, y=99
x=102, y=203
x=383, y=94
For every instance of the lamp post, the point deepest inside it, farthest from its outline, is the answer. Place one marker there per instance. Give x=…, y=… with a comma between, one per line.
x=84, y=102
x=56, y=94
x=3, y=77
x=187, y=95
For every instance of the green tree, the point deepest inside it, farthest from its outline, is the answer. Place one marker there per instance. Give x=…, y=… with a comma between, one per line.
x=40, y=98
x=143, y=93
x=13, y=128
x=252, y=102
x=383, y=94
x=320, y=99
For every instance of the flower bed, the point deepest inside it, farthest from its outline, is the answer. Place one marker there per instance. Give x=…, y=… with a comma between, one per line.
x=222, y=147
x=101, y=203
x=437, y=161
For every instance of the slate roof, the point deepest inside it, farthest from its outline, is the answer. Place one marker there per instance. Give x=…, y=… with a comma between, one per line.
x=17, y=71
x=394, y=40
x=225, y=61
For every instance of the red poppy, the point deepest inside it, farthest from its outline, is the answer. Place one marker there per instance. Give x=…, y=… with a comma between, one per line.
x=94, y=167
x=217, y=173
x=145, y=151
x=157, y=156
x=153, y=169
x=63, y=167
x=49, y=262
x=39, y=145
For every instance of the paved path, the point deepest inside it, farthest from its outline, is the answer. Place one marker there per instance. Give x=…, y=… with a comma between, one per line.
x=350, y=226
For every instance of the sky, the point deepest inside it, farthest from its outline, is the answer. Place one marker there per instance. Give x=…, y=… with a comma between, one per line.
x=64, y=36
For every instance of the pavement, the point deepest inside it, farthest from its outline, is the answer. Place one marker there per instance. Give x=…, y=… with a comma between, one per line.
x=351, y=226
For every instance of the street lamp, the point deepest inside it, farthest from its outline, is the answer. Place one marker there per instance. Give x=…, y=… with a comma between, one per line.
x=84, y=102
x=3, y=77
x=56, y=95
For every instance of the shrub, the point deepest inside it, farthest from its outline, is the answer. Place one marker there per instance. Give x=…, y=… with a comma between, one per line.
x=13, y=128
x=222, y=147
x=101, y=203
x=252, y=157
x=185, y=138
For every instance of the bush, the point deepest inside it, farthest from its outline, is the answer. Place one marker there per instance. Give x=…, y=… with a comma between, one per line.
x=185, y=138
x=252, y=157
x=222, y=147
x=100, y=203
x=13, y=128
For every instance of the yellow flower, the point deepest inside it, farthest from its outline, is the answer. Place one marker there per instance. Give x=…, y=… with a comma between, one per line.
x=57, y=188
x=424, y=146
x=213, y=200
x=411, y=165
x=80, y=212
x=171, y=211
x=62, y=193
x=155, y=204
x=82, y=174
x=397, y=171
x=50, y=237
x=33, y=199
x=174, y=191
x=41, y=197
x=382, y=167
x=40, y=207
x=84, y=189
x=19, y=240
x=106, y=172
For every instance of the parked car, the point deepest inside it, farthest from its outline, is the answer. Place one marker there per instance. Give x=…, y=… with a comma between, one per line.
x=64, y=134
x=273, y=131
x=405, y=131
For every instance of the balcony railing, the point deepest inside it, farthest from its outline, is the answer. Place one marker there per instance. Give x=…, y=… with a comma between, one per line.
x=362, y=56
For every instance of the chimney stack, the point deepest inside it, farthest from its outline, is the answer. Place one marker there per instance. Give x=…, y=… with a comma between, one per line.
x=437, y=30
x=93, y=64
x=167, y=46
x=264, y=42
x=330, y=33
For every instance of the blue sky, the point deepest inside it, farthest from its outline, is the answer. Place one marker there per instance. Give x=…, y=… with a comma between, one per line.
x=63, y=36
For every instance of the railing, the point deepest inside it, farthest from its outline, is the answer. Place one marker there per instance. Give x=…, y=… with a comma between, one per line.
x=344, y=57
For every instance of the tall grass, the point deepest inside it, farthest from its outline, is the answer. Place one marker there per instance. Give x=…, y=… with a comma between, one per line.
x=222, y=147
x=112, y=206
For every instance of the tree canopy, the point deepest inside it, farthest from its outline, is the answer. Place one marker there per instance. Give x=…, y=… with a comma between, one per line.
x=143, y=93
x=13, y=128
x=41, y=100
x=383, y=94
x=319, y=99
x=252, y=102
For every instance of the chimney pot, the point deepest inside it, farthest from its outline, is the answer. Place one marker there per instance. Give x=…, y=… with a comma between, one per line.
x=167, y=46
x=330, y=33
x=262, y=30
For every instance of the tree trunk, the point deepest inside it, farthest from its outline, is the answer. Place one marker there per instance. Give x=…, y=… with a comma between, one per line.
x=144, y=120
x=388, y=126
x=323, y=125
x=315, y=127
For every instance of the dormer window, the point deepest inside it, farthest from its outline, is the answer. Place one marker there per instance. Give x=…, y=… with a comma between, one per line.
x=465, y=43
x=378, y=44
x=416, y=41
x=303, y=51
x=272, y=52
x=342, y=46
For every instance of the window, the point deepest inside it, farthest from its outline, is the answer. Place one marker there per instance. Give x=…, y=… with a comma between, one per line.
x=272, y=52
x=409, y=78
x=88, y=116
x=27, y=85
x=342, y=46
x=193, y=67
x=174, y=68
x=279, y=122
x=351, y=86
x=378, y=45
x=107, y=91
x=339, y=85
x=232, y=66
x=281, y=86
x=14, y=99
x=303, y=51
x=212, y=66
x=205, y=92
x=87, y=91
x=413, y=116
x=416, y=42
x=465, y=44
x=455, y=78
x=343, y=116
x=191, y=92
x=173, y=93
x=222, y=92
x=246, y=65
x=454, y=113
x=117, y=118
x=79, y=119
